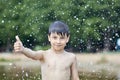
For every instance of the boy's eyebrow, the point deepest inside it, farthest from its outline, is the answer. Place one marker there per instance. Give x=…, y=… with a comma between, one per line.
x=62, y=34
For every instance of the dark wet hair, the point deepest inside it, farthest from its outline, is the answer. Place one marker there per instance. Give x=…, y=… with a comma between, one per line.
x=59, y=28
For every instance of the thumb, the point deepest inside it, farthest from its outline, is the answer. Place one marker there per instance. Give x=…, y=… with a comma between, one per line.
x=17, y=38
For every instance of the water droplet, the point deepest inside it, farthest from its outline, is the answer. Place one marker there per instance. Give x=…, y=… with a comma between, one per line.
x=26, y=74
x=16, y=75
x=10, y=64
x=2, y=21
x=3, y=74
x=28, y=40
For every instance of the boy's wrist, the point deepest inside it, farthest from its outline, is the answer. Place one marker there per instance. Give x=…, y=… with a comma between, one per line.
x=23, y=49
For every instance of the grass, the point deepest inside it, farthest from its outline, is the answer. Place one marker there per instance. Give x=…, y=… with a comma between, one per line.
x=8, y=60
x=101, y=75
x=102, y=60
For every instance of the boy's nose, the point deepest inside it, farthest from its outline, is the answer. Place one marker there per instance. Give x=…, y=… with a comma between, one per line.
x=58, y=40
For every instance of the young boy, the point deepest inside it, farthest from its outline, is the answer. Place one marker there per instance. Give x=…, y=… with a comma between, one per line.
x=56, y=63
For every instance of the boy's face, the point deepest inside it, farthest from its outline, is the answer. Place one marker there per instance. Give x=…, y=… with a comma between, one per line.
x=58, y=42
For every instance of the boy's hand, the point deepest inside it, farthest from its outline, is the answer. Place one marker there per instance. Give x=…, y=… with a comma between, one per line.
x=18, y=46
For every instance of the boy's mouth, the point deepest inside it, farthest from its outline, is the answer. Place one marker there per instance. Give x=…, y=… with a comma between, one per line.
x=58, y=45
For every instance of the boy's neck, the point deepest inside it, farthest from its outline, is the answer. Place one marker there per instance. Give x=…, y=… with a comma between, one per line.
x=57, y=52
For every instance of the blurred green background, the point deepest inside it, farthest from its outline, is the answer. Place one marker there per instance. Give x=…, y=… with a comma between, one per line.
x=94, y=24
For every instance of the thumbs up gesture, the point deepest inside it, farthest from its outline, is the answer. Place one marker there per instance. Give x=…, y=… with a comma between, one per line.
x=18, y=46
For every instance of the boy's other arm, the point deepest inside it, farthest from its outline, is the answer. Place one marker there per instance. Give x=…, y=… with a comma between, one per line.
x=74, y=70
x=18, y=47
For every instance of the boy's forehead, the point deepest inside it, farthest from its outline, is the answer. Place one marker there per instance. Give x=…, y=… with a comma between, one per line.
x=59, y=34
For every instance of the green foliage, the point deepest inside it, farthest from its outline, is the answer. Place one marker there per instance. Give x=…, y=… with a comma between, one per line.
x=92, y=23
x=42, y=47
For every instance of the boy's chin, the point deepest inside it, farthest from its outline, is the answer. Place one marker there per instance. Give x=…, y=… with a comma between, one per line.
x=59, y=49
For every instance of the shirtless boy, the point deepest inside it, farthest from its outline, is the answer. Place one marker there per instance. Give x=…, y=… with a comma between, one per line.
x=56, y=63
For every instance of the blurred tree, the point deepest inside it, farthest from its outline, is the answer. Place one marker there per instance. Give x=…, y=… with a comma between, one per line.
x=94, y=25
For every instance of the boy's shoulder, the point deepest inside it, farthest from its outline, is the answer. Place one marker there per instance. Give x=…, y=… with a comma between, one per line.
x=70, y=54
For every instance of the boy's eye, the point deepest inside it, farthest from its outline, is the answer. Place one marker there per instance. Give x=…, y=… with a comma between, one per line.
x=54, y=37
x=62, y=37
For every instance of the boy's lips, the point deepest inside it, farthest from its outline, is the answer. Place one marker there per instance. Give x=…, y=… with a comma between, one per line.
x=58, y=45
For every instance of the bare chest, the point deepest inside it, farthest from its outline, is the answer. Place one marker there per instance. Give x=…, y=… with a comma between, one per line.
x=58, y=62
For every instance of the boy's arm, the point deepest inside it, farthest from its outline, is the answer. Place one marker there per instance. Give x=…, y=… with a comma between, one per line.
x=18, y=47
x=74, y=70
x=36, y=55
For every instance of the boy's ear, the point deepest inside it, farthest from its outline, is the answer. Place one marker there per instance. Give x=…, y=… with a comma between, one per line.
x=68, y=38
x=48, y=37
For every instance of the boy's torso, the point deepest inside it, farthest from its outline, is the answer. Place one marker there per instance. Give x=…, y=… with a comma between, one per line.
x=56, y=66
